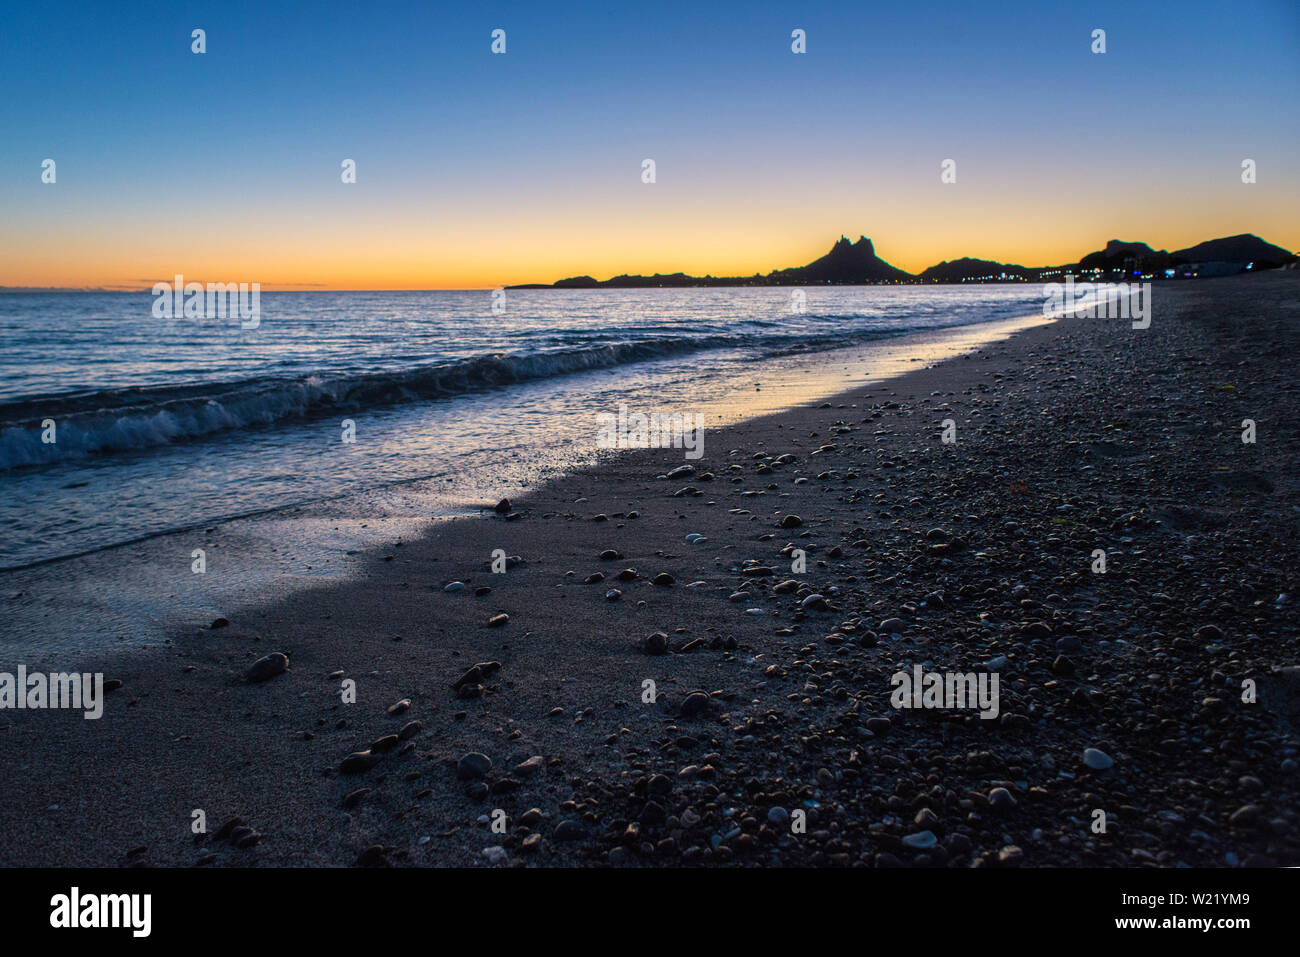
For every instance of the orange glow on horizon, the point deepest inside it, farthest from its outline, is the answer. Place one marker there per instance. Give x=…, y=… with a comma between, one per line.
x=704, y=242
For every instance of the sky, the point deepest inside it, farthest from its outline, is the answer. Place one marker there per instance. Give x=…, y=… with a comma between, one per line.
x=475, y=170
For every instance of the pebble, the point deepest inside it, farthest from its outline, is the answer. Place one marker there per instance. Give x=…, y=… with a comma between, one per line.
x=533, y=765
x=1096, y=759
x=358, y=761
x=697, y=702
x=472, y=765
x=1001, y=799
x=264, y=669
x=569, y=831
x=374, y=856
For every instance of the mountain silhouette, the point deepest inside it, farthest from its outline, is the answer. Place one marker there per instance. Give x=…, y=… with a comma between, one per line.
x=856, y=263
x=846, y=264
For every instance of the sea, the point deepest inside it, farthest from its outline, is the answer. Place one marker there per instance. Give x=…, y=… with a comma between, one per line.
x=120, y=428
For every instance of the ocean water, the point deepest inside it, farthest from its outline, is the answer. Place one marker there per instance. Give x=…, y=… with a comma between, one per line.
x=162, y=425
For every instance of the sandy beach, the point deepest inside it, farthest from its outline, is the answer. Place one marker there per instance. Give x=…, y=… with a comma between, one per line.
x=771, y=704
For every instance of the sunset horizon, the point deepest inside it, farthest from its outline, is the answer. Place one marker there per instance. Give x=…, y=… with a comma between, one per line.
x=800, y=254
x=760, y=156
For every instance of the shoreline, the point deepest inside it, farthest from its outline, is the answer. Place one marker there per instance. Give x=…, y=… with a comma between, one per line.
x=341, y=527
x=793, y=697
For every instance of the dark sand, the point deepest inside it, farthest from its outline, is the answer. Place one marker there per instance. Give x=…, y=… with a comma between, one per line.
x=1075, y=436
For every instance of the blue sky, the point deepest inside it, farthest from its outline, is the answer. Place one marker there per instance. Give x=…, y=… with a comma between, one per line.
x=528, y=163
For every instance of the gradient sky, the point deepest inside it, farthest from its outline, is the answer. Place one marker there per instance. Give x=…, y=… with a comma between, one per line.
x=477, y=170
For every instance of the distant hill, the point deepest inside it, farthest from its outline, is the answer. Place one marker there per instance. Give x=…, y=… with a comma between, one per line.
x=1246, y=248
x=975, y=270
x=847, y=264
x=1118, y=254
x=856, y=263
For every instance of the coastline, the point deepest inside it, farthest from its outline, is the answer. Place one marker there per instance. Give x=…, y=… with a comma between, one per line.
x=142, y=590
x=1044, y=420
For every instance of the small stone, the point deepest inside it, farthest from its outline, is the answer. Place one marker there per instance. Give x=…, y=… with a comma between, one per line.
x=1245, y=816
x=1097, y=760
x=791, y=521
x=778, y=815
x=264, y=669
x=473, y=765
x=920, y=840
x=533, y=765
x=503, y=507
x=657, y=644
x=358, y=761
x=663, y=580
x=620, y=857
x=569, y=831
x=814, y=603
x=496, y=621
x=374, y=856
x=697, y=702
x=399, y=707
x=1001, y=799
